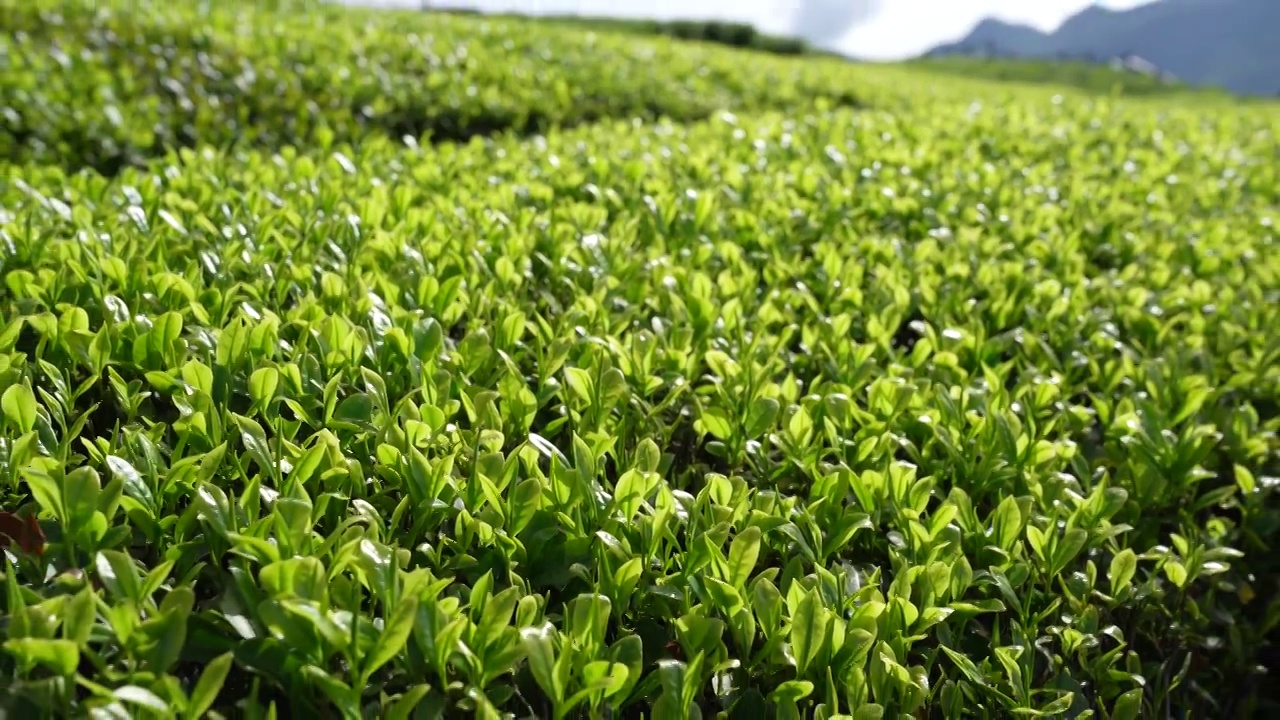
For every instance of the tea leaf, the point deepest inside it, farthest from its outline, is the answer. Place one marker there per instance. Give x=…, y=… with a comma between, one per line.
x=205, y=692
x=19, y=405
x=1123, y=566
x=60, y=656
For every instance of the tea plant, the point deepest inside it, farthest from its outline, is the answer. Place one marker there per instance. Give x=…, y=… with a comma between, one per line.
x=115, y=83
x=949, y=409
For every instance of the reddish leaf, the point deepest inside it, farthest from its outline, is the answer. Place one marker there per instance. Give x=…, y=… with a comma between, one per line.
x=23, y=531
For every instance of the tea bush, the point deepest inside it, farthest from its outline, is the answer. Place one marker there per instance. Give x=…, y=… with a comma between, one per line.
x=735, y=34
x=947, y=409
x=109, y=84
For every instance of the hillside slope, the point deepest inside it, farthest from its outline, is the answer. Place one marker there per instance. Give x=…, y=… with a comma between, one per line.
x=126, y=81
x=961, y=404
x=1227, y=43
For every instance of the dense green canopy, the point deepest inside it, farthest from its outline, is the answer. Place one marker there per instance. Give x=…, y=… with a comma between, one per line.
x=960, y=402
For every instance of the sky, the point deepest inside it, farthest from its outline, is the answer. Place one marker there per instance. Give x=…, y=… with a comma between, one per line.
x=870, y=29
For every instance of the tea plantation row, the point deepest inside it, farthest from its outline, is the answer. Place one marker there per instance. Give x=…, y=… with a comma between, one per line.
x=938, y=408
x=110, y=84
x=966, y=411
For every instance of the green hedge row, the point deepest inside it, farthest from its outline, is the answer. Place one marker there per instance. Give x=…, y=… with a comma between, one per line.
x=1091, y=77
x=105, y=85
x=734, y=34
x=953, y=412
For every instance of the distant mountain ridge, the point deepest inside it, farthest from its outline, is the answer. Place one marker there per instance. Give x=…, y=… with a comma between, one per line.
x=1232, y=44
